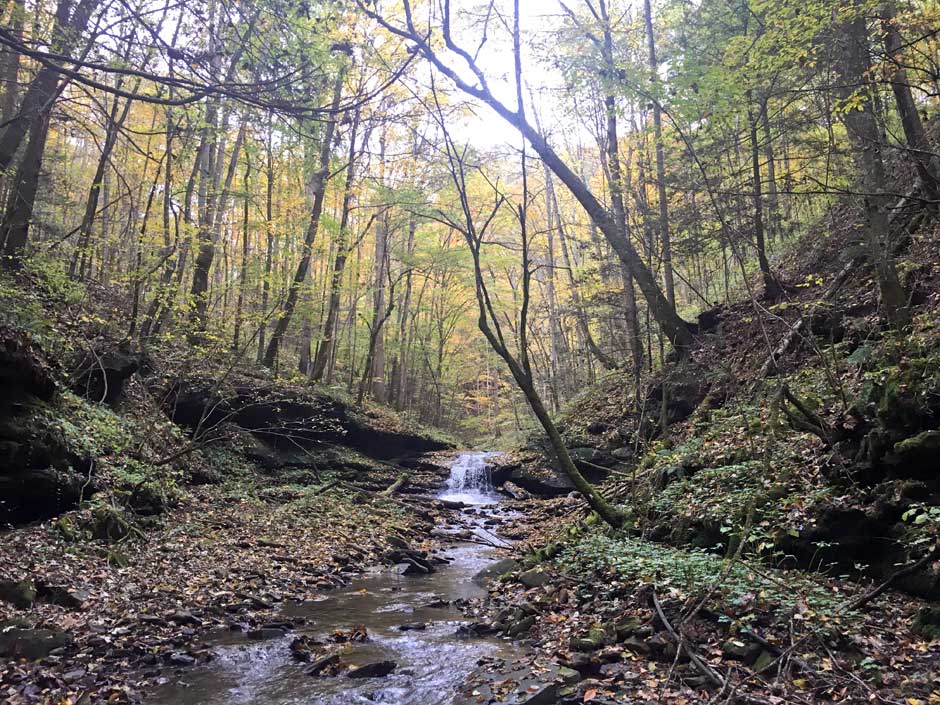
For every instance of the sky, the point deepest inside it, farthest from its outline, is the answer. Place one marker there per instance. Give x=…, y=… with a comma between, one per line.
x=487, y=129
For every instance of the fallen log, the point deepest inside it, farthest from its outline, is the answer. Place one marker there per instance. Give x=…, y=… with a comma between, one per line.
x=395, y=486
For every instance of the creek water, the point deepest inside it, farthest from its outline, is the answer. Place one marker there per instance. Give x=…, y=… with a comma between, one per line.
x=431, y=663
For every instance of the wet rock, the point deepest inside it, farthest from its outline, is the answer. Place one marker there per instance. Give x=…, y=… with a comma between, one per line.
x=474, y=629
x=378, y=669
x=398, y=542
x=507, y=565
x=19, y=593
x=514, y=491
x=63, y=595
x=522, y=626
x=568, y=676
x=592, y=642
x=184, y=618
x=540, y=694
x=265, y=633
x=410, y=567
x=533, y=578
x=412, y=627
x=453, y=504
x=438, y=604
x=18, y=642
x=302, y=648
x=179, y=658
x=324, y=666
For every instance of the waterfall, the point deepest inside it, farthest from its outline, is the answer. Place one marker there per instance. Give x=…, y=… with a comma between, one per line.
x=469, y=480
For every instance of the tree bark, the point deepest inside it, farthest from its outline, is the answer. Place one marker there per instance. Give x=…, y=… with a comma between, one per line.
x=865, y=136
x=313, y=226
x=925, y=161
x=328, y=329
x=665, y=238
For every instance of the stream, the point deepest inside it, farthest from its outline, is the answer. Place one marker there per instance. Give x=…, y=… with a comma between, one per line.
x=431, y=662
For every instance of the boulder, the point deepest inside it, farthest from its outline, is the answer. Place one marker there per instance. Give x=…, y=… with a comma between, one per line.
x=19, y=593
x=514, y=491
x=325, y=665
x=180, y=658
x=927, y=623
x=493, y=571
x=265, y=633
x=522, y=626
x=533, y=578
x=377, y=669
x=100, y=373
x=18, y=642
x=39, y=475
x=292, y=418
x=412, y=627
x=63, y=595
x=624, y=454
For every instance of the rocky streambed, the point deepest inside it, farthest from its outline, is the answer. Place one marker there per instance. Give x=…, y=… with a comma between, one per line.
x=401, y=634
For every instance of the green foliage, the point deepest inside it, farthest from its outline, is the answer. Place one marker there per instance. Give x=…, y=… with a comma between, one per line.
x=726, y=492
x=736, y=586
x=87, y=430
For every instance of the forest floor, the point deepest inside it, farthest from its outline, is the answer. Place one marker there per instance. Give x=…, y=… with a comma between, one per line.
x=601, y=621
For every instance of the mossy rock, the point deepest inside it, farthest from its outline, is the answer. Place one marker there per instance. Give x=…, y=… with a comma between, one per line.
x=927, y=623
x=926, y=443
x=592, y=642
x=19, y=593
x=109, y=524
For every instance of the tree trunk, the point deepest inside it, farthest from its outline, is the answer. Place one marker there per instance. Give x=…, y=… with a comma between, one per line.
x=327, y=330
x=319, y=194
x=865, y=136
x=268, y=239
x=772, y=290
x=36, y=106
x=665, y=238
x=210, y=228
x=81, y=255
x=926, y=161
x=615, y=185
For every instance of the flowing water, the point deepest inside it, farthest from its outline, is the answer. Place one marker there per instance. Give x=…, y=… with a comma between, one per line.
x=432, y=663
x=469, y=480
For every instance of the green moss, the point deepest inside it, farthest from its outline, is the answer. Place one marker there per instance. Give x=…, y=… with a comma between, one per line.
x=921, y=444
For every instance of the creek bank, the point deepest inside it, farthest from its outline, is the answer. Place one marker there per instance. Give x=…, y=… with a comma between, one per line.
x=607, y=609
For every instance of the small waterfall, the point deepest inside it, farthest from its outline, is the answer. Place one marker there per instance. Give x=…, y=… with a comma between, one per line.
x=470, y=480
